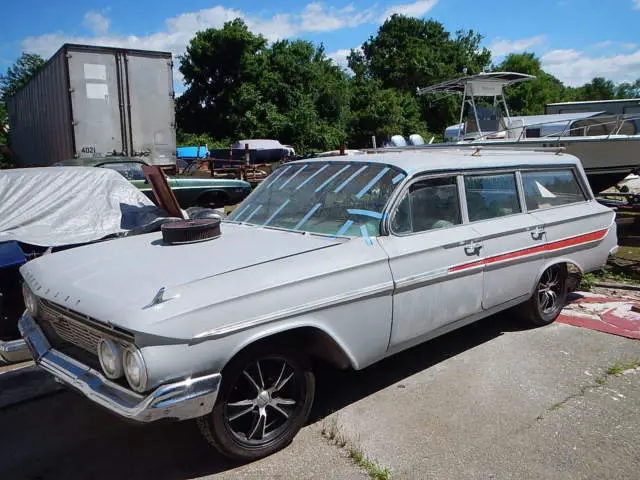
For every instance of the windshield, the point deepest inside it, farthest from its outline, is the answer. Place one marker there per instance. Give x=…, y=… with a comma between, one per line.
x=129, y=170
x=334, y=198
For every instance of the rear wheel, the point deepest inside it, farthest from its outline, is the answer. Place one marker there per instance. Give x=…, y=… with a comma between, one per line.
x=265, y=398
x=549, y=297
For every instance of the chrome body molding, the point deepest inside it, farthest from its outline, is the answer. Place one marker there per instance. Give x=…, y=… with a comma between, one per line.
x=189, y=398
x=369, y=292
x=14, y=351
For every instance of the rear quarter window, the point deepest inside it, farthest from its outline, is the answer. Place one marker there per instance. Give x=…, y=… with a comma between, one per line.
x=551, y=188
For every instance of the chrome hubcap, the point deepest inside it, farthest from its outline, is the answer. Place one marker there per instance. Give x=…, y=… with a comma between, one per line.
x=263, y=401
x=549, y=290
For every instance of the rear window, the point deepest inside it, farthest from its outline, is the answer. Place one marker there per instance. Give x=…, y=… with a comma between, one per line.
x=491, y=196
x=550, y=188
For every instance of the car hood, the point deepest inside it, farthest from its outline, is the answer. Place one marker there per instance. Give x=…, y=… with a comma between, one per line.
x=111, y=279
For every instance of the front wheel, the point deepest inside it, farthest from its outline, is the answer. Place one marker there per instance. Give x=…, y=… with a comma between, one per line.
x=549, y=297
x=265, y=398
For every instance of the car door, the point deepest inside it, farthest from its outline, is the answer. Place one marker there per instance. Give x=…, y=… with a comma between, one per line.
x=512, y=243
x=570, y=222
x=435, y=263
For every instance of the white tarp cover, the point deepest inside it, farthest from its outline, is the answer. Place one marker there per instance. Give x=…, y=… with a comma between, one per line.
x=55, y=206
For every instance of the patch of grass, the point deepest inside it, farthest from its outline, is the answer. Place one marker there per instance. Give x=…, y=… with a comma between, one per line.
x=601, y=381
x=587, y=281
x=331, y=431
x=619, y=367
x=372, y=468
x=556, y=406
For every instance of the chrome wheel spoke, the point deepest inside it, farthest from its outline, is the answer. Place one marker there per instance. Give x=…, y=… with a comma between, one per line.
x=241, y=413
x=279, y=410
x=283, y=401
x=242, y=403
x=275, y=384
x=250, y=378
x=283, y=383
x=553, y=298
x=260, y=375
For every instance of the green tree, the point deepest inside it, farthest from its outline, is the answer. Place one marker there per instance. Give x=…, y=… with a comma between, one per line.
x=16, y=76
x=240, y=87
x=598, y=89
x=628, y=90
x=381, y=112
x=407, y=53
x=530, y=97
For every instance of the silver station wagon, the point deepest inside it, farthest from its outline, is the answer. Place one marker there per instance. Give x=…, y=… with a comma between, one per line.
x=348, y=260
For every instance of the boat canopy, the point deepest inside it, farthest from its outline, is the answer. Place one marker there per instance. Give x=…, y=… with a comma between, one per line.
x=480, y=85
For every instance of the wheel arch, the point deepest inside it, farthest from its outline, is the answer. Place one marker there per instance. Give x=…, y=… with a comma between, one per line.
x=571, y=265
x=312, y=339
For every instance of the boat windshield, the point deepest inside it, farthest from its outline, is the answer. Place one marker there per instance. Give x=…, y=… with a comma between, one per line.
x=332, y=198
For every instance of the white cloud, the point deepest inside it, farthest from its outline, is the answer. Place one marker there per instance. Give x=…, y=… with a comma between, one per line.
x=340, y=57
x=501, y=47
x=605, y=44
x=415, y=9
x=636, y=4
x=178, y=30
x=96, y=22
x=576, y=68
x=317, y=18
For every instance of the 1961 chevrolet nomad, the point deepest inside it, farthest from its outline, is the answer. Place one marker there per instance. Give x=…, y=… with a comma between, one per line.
x=345, y=259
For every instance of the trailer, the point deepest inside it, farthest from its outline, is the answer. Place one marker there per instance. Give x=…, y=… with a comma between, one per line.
x=96, y=101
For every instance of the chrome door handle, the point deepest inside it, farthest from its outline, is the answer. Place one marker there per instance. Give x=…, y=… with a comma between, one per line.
x=473, y=249
x=537, y=233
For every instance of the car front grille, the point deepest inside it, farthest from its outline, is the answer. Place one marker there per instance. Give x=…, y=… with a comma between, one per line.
x=64, y=327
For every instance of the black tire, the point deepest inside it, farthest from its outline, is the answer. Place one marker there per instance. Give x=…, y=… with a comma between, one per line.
x=254, y=430
x=549, y=297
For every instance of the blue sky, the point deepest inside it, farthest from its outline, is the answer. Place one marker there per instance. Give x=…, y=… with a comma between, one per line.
x=576, y=39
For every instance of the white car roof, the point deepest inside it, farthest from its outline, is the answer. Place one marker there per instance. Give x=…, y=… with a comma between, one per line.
x=436, y=158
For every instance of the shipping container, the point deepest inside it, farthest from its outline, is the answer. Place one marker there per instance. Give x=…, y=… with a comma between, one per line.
x=90, y=101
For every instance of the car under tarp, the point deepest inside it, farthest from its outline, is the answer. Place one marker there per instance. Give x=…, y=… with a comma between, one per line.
x=53, y=207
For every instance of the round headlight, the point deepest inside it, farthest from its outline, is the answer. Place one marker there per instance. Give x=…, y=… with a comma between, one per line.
x=110, y=356
x=135, y=369
x=30, y=300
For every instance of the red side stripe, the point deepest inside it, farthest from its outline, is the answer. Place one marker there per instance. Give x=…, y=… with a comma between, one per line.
x=557, y=245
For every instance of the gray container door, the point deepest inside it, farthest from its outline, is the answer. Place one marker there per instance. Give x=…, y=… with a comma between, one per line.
x=151, y=108
x=95, y=102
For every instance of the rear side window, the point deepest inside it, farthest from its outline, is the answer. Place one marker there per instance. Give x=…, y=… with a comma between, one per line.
x=546, y=189
x=491, y=196
x=429, y=204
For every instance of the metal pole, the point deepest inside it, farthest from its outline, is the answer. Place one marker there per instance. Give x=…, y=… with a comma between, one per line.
x=373, y=141
x=475, y=114
x=464, y=99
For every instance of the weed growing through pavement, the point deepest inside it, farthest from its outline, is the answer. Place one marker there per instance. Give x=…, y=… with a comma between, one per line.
x=331, y=431
x=619, y=368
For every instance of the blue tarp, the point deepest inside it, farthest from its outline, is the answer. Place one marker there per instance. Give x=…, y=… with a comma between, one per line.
x=192, y=152
x=11, y=254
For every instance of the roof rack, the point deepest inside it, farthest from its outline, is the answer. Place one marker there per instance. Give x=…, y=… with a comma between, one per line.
x=477, y=148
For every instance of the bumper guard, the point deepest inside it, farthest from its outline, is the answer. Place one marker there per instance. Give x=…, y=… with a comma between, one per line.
x=182, y=400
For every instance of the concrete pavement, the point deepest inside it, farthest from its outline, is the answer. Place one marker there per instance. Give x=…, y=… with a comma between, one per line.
x=489, y=401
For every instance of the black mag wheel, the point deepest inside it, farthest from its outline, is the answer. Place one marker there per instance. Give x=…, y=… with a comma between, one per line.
x=549, y=297
x=265, y=399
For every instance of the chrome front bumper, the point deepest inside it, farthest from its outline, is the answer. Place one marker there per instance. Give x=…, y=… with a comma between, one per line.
x=190, y=398
x=14, y=351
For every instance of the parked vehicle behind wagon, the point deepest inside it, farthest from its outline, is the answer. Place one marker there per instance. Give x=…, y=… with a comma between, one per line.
x=189, y=191
x=348, y=260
